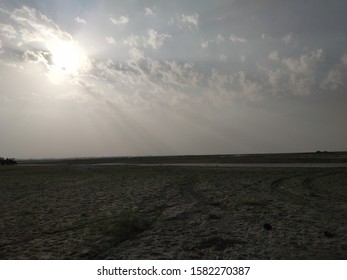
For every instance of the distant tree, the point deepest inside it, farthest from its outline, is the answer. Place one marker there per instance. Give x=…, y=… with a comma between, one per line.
x=8, y=161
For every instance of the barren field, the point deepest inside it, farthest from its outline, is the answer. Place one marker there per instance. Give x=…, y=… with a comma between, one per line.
x=172, y=212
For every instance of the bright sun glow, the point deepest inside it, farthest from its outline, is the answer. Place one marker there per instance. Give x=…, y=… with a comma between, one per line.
x=68, y=58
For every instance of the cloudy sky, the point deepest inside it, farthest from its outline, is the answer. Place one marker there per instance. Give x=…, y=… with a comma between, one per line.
x=115, y=78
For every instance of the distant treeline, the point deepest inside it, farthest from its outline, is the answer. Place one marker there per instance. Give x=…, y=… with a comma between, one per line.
x=7, y=161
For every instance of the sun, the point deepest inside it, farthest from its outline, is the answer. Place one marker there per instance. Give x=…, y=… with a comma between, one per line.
x=67, y=58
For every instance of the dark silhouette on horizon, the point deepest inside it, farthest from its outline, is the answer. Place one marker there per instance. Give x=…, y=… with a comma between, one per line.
x=7, y=161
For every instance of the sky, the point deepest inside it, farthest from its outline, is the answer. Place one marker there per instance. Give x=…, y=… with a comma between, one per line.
x=137, y=78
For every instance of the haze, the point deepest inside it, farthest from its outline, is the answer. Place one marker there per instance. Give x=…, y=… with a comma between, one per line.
x=123, y=78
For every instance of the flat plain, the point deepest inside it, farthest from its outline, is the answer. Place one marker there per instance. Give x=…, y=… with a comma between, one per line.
x=145, y=208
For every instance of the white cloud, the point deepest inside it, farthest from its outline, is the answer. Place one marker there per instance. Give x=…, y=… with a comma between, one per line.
x=219, y=39
x=136, y=55
x=38, y=57
x=235, y=39
x=286, y=39
x=36, y=27
x=223, y=58
x=154, y=39
x=143, y=79
x=296, y=75
x=274, y=78
x=300, y=75
x=305, y=63
x=147, y=77
x=204, y=45
x=273, y=55
x=192, y=21
x=251, y=90
x=7, y=31
x=132, y=40
x=148, y=12
x=40, y=40
x=80, y=20
x=302, y=71
x=179, y=74
x=110, y=40
x=332, y=80
x=335, y=76
x=275, y=81
x=120, y=20
x=220, y=88
x=29, y=36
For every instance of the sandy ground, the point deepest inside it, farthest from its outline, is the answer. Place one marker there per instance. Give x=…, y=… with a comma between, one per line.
x=172, y=212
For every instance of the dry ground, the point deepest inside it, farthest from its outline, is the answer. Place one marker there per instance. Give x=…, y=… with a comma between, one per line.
x=158, y=212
